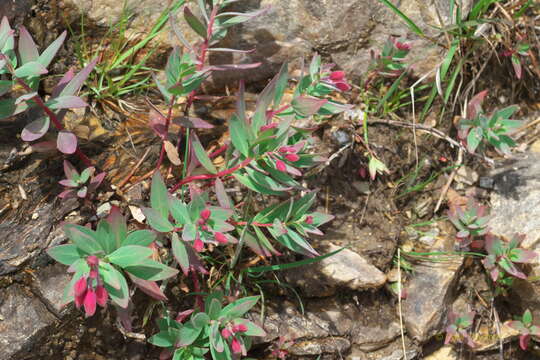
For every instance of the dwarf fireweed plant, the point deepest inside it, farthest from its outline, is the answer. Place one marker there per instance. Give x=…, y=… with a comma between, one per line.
x=471, y=221
x=525, y=327
x=102, y=259
x=192, y=219
x=478, y=129
x=458, y=328
x=21, y=66
x=79, y=185
x=503, y=258
x=218, y=329
x=520, y=50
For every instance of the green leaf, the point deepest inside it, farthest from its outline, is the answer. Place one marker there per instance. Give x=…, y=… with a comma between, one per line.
x=163, y=339
x=216, y=340
x=104, y=237
x=251, y=184
x=179, y=211
x=194, y=23
x=159, y=196
x=30, y=69
x=188, y=335
x=239, y=135
x=139, y=237
x=120, y=296
x=281, y=85
x=180, y=253
x=65, y=254
x=527, y=318
x=214, y=308
x=200, y=320
x=151, y=270
x=48, y=54
x=474, y=138
x=157, y=221
x=201, y=154
x=239, y=307
x=130, y=255
x=84, y=238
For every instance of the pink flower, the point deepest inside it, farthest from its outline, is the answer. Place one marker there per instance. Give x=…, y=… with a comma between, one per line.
x=292, y=157
x=309, y=219
x=90, y=302
x=80, y=286
x=401, y=45
x=93, y=274
x=220, y=238
x=236, y=347
x=337, y=79
x=226, y=333
x=280, y=165
x=101, y=296
x=205, y=214
x=239, y=328
x=198, y=245
x=92, y=260
x=287, y=149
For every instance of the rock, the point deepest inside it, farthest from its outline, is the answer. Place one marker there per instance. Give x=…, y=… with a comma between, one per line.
x=430, y=293
x=331, y=345
x=25, y=319
x=346, y=269
x=515, y=208
x=515, y=202
x=445, y=353
x=345, y=31
x=50, y=284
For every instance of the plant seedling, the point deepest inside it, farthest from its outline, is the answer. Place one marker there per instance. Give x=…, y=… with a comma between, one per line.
x=458, y=328
x=79, y=185
x=526, y=328
x=503, y=256
x=221, y=330
x=470, y=221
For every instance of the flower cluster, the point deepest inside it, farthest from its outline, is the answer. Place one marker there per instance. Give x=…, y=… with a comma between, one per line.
x=337, y=80
x=229, y=332
x=89, y=290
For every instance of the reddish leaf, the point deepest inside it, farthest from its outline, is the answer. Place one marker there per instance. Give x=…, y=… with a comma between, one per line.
x=307, y=106
x=524, y=341
x=192, y=123
x=474, y=105
x=35, y=129
x=66, y=142
x=63, y=82
x=27, y=47
x=232, y=67
x=158, y=123
x=70, y=171
x=150, y=288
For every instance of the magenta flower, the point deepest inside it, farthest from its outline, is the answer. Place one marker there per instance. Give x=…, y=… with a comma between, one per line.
x=309, y=220
x=90, y=301
x=401, y=45
x=220, y=238
x=337, y=79
x=280, y=165
x=236, y=347
x=205, y=214
x=292, y=157
x=198, y=245
x=226, y=333
x=239, y=328
x=101, y=296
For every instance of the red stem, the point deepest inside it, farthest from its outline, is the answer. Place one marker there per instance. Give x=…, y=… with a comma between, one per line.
x=39, y=102
x=218, y=151
x=241, y=223
x=197, y=288
x=283, y=108
x=211, y=176
x=167, y=124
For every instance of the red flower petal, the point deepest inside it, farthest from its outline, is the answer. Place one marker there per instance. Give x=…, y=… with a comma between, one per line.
x=292, y=157
x=280, y=165
x=205, y=214
x=220, y=238
x=90, y=302
x=198, y=245
x=80, y=287
x=343, y=86
x=92, y=260
x=226, y=333
x=101, y=296
x=239, y=328
x=235, y=346
x=337, y=75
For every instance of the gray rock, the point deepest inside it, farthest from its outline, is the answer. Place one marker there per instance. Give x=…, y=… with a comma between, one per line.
x=25, y=319
x=49, y=285
x=515, y=208
x=345, y=31
x=430, y=293
x=331, y=345
x=15, y=10
x=346, y=269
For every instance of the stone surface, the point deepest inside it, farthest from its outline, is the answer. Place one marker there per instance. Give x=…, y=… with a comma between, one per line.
x=445, y=353
x=345, y=31
x=431, y=291
x=15, y=10
x=24, y=318
x=515, y=208
x=346, y=269
x=49, y=285
x=331, y=345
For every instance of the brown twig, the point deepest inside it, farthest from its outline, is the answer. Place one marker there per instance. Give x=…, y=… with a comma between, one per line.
x=130, y=175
